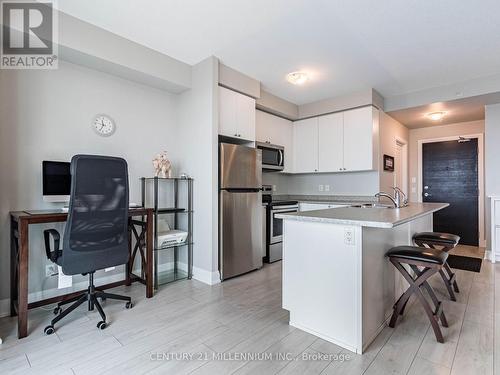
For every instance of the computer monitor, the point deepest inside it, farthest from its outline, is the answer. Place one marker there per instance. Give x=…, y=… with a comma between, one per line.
x=56, y=181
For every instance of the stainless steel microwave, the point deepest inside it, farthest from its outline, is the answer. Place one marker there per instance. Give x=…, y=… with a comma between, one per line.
x=273, y=156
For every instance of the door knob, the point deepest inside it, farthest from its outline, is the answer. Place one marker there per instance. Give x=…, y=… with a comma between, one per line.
x=426, y=195
x=426, y=187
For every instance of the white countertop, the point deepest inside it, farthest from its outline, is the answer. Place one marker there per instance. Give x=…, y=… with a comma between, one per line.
x=367, y=217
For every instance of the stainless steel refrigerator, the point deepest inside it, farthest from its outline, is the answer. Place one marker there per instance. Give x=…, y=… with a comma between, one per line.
x=240, y=210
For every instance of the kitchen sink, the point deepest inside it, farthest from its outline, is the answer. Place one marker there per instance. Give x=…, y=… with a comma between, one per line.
x=372, y=205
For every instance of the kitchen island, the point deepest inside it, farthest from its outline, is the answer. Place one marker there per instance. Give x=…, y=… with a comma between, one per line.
x=337, y=282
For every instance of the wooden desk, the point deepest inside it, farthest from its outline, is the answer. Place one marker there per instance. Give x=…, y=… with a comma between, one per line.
x=19, y=235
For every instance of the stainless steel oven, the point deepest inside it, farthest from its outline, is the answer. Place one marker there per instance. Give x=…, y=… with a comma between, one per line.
x=275, y=247
x=273, y=156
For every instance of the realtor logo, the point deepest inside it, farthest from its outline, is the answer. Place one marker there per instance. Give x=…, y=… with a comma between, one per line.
x=28, y=35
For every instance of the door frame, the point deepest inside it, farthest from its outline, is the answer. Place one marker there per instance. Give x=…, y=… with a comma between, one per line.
x=403, y=143
x=480, y=167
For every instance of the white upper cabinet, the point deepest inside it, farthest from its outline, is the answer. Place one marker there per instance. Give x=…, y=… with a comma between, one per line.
x=236, y=115
x=340, y=142
x=278, y=131
x=361, y=139
x=331, y=145
x=305, y=145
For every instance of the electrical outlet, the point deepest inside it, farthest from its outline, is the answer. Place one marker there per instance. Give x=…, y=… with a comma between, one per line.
x=327, y=187
x=274, y=187
x=349, y=236
x=50, y=269
x=320, y=187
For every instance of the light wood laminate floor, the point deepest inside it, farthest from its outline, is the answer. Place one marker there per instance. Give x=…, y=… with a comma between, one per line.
x=221, y=324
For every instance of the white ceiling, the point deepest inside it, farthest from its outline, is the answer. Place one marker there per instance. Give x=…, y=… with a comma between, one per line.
x=460, y=110
x=393, y=46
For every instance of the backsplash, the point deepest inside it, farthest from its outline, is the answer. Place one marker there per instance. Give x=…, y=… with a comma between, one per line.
x=355, y=183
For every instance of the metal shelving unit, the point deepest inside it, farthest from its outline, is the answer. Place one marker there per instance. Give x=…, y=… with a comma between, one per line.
x=169, y=188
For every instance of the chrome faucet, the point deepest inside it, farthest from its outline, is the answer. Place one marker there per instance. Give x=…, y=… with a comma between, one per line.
x=382, y=194
x=400, y=197
x=399, y=200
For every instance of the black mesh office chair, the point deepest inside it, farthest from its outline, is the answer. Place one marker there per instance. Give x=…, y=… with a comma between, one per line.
x=96, y=232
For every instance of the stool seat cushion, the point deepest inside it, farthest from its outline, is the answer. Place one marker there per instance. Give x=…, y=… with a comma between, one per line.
x=444, y=238
x=421, y=254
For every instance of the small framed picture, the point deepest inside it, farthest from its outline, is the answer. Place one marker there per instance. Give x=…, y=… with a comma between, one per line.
x=388, y=163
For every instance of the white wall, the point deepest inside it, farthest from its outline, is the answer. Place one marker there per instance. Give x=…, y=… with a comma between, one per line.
x=390, y=131
x=47, y=115
x=492, y=159
x=198, y=126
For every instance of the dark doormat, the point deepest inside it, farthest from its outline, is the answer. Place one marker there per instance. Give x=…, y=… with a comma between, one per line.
x=465, y=263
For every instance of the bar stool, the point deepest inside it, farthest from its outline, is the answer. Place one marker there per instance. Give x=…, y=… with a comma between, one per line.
x=447, y=242
x=431, y=261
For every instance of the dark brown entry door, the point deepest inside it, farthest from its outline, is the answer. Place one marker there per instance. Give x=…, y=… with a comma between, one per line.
x=450, y=174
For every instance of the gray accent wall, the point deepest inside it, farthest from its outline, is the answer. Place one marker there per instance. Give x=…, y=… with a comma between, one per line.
x=46, y=115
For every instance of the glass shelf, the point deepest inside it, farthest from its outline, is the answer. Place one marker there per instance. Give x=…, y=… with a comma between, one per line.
x=173, y=246
x=167, y=178
x=165, y=277
x=172, y=211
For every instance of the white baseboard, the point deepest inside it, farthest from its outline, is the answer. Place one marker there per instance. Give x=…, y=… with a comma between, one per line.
x=207, y=277
x=4, y=307
x=487, y=255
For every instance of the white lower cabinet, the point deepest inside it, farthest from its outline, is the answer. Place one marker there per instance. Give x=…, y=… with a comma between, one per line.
x=495, y=228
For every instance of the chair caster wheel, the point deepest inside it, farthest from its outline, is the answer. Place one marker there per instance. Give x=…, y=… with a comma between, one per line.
x=57, y=310
x=49, y=330
x=129, y=305
x=101, y=325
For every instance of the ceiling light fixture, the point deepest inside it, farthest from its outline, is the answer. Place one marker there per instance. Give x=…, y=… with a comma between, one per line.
x=436, y=116
x=297, y=78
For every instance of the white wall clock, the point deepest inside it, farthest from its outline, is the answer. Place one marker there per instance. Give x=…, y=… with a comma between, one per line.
x=103, y=125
